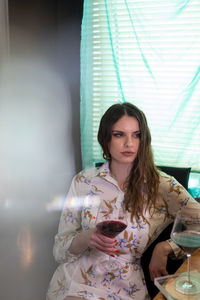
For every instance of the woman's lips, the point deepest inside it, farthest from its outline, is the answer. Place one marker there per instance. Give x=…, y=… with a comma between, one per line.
x=128, y=153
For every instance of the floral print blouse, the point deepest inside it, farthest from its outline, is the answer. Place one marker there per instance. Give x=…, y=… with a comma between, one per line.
x=84, y=275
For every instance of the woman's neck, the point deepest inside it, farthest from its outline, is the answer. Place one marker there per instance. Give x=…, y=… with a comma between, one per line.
x=120, y=172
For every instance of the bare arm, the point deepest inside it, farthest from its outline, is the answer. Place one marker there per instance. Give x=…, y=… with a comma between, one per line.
x=158, y=263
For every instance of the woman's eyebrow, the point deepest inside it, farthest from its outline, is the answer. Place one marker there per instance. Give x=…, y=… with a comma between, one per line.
x=137, y=131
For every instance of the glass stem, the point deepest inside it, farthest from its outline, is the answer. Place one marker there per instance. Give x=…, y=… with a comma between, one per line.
x=188, y=265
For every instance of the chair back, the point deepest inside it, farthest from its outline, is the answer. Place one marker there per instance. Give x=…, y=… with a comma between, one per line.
x=182, y=176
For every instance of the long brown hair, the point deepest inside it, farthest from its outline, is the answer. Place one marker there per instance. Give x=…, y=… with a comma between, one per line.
x=141, y=186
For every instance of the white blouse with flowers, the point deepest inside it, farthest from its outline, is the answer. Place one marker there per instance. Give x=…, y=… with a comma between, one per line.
x=84, y=275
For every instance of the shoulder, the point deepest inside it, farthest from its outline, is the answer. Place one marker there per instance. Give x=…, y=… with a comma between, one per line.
x=169, y=183
x=85, y=176
x=81, y=182
x=166, y=180
x=164, y=177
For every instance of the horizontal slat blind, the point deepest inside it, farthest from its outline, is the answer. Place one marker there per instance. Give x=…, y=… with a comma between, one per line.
x=148, y=53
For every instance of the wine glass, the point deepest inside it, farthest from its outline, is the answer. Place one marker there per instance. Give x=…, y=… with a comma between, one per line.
x=186, y=233
x=111, y=225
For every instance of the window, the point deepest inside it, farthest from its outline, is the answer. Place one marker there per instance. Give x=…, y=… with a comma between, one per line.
x=148, y=53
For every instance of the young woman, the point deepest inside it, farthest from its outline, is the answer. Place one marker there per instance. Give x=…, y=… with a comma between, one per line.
x=128, y=180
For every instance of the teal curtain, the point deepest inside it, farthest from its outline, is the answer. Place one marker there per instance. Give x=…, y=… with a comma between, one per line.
x=148, y=53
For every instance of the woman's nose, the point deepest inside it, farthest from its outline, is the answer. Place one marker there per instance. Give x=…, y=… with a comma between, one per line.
x=129, y=141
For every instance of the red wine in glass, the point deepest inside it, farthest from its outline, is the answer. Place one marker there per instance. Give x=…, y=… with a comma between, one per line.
x=111, y=228
x=110, y=225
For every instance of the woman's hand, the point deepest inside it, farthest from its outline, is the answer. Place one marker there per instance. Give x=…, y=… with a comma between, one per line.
x=92, y=238
x=102, y=243
x=158, y=263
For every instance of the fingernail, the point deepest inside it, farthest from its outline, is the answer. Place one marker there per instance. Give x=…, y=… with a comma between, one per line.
x=116, y=244
x=117, y=251
x=112, y=255
x=115, y=241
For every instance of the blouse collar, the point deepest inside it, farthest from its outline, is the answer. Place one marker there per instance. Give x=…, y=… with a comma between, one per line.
x=104, y=172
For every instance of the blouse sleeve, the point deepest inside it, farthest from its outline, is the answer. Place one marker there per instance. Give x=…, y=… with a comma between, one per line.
x=69, y=225
x=177, y=197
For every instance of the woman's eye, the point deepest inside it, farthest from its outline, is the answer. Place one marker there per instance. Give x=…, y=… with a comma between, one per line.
x=137, y=135
x=117, y=134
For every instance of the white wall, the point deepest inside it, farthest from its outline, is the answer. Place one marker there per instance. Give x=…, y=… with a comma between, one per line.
x=39, y=154
x=37, y=159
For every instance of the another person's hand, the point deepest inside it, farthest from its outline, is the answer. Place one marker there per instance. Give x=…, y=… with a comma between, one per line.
x=158, y=263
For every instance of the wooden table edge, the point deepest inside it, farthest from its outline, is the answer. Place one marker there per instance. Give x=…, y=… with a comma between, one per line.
x=195, y=265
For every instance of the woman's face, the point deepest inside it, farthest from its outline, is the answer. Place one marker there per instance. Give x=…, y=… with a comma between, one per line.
x=125, y=140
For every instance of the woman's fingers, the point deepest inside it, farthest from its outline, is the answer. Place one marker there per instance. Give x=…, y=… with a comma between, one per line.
x=160, y=273
x=103, y=243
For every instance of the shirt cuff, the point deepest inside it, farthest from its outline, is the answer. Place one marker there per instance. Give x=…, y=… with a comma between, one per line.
x=70, y=256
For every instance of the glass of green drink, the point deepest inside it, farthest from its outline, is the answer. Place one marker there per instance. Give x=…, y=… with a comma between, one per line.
x=186, y=234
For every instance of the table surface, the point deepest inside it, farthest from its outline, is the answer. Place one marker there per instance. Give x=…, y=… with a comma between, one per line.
x=195, y=265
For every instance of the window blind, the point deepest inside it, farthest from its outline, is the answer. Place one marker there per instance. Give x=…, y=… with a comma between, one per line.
x=147, y=53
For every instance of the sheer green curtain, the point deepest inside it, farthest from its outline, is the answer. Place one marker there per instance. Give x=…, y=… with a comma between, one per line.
x=148, y=53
